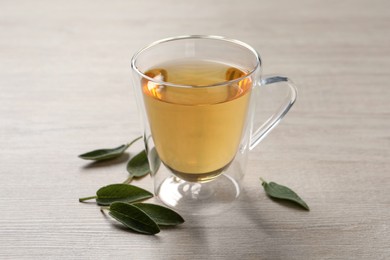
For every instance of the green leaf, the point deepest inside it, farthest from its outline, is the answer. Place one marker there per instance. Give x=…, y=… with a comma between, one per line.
x=121, y=192
x=155, y=161
x=278, y=191
x=133, y=218
x=138, y=166
x=106, y=154
x=161, y=215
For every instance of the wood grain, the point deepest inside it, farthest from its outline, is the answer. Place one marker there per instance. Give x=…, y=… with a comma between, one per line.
x=65, y=89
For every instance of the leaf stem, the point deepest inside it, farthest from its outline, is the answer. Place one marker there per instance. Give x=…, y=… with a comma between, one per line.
x=128, y=180
x=87, y=198
x=262, y=180
x=102, y=208
x=135, y=140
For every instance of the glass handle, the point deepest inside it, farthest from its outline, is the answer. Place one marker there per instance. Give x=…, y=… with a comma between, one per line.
x=264, y=129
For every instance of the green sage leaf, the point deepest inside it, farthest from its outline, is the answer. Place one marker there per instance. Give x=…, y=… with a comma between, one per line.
x=133, y=218
x=155, y=161
x=138, y=166
x=161, y=215
x=278, y=191
x=106, y=154
x=121, y=192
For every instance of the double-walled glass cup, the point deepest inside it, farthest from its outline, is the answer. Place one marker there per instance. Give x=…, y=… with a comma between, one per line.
x=197, y=129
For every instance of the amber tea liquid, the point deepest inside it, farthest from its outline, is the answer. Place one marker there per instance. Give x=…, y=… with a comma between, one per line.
x=196, y=129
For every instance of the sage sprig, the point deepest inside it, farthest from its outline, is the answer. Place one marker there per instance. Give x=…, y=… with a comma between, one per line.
x=133, y=218
x=119, y=192
x=106, y=154
x=144, y=218
x=278, y=191
x=123, y=200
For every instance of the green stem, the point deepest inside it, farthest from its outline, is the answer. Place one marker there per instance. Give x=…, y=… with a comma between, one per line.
x=102, y=208
x=129, y=179
x=135, y=140
x=87, y=198
x=262, y=180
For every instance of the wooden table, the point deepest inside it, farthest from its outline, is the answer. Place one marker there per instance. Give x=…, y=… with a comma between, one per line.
x=65, y=89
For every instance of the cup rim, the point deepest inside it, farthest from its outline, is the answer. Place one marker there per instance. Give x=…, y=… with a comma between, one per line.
x=184, y=37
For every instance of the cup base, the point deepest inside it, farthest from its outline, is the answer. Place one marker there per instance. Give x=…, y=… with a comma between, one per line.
x=193, y=198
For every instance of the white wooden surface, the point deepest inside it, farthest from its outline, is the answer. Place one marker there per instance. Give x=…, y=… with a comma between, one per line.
x=65, y=89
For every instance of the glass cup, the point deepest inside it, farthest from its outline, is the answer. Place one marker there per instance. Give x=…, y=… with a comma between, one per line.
x=197, y=99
